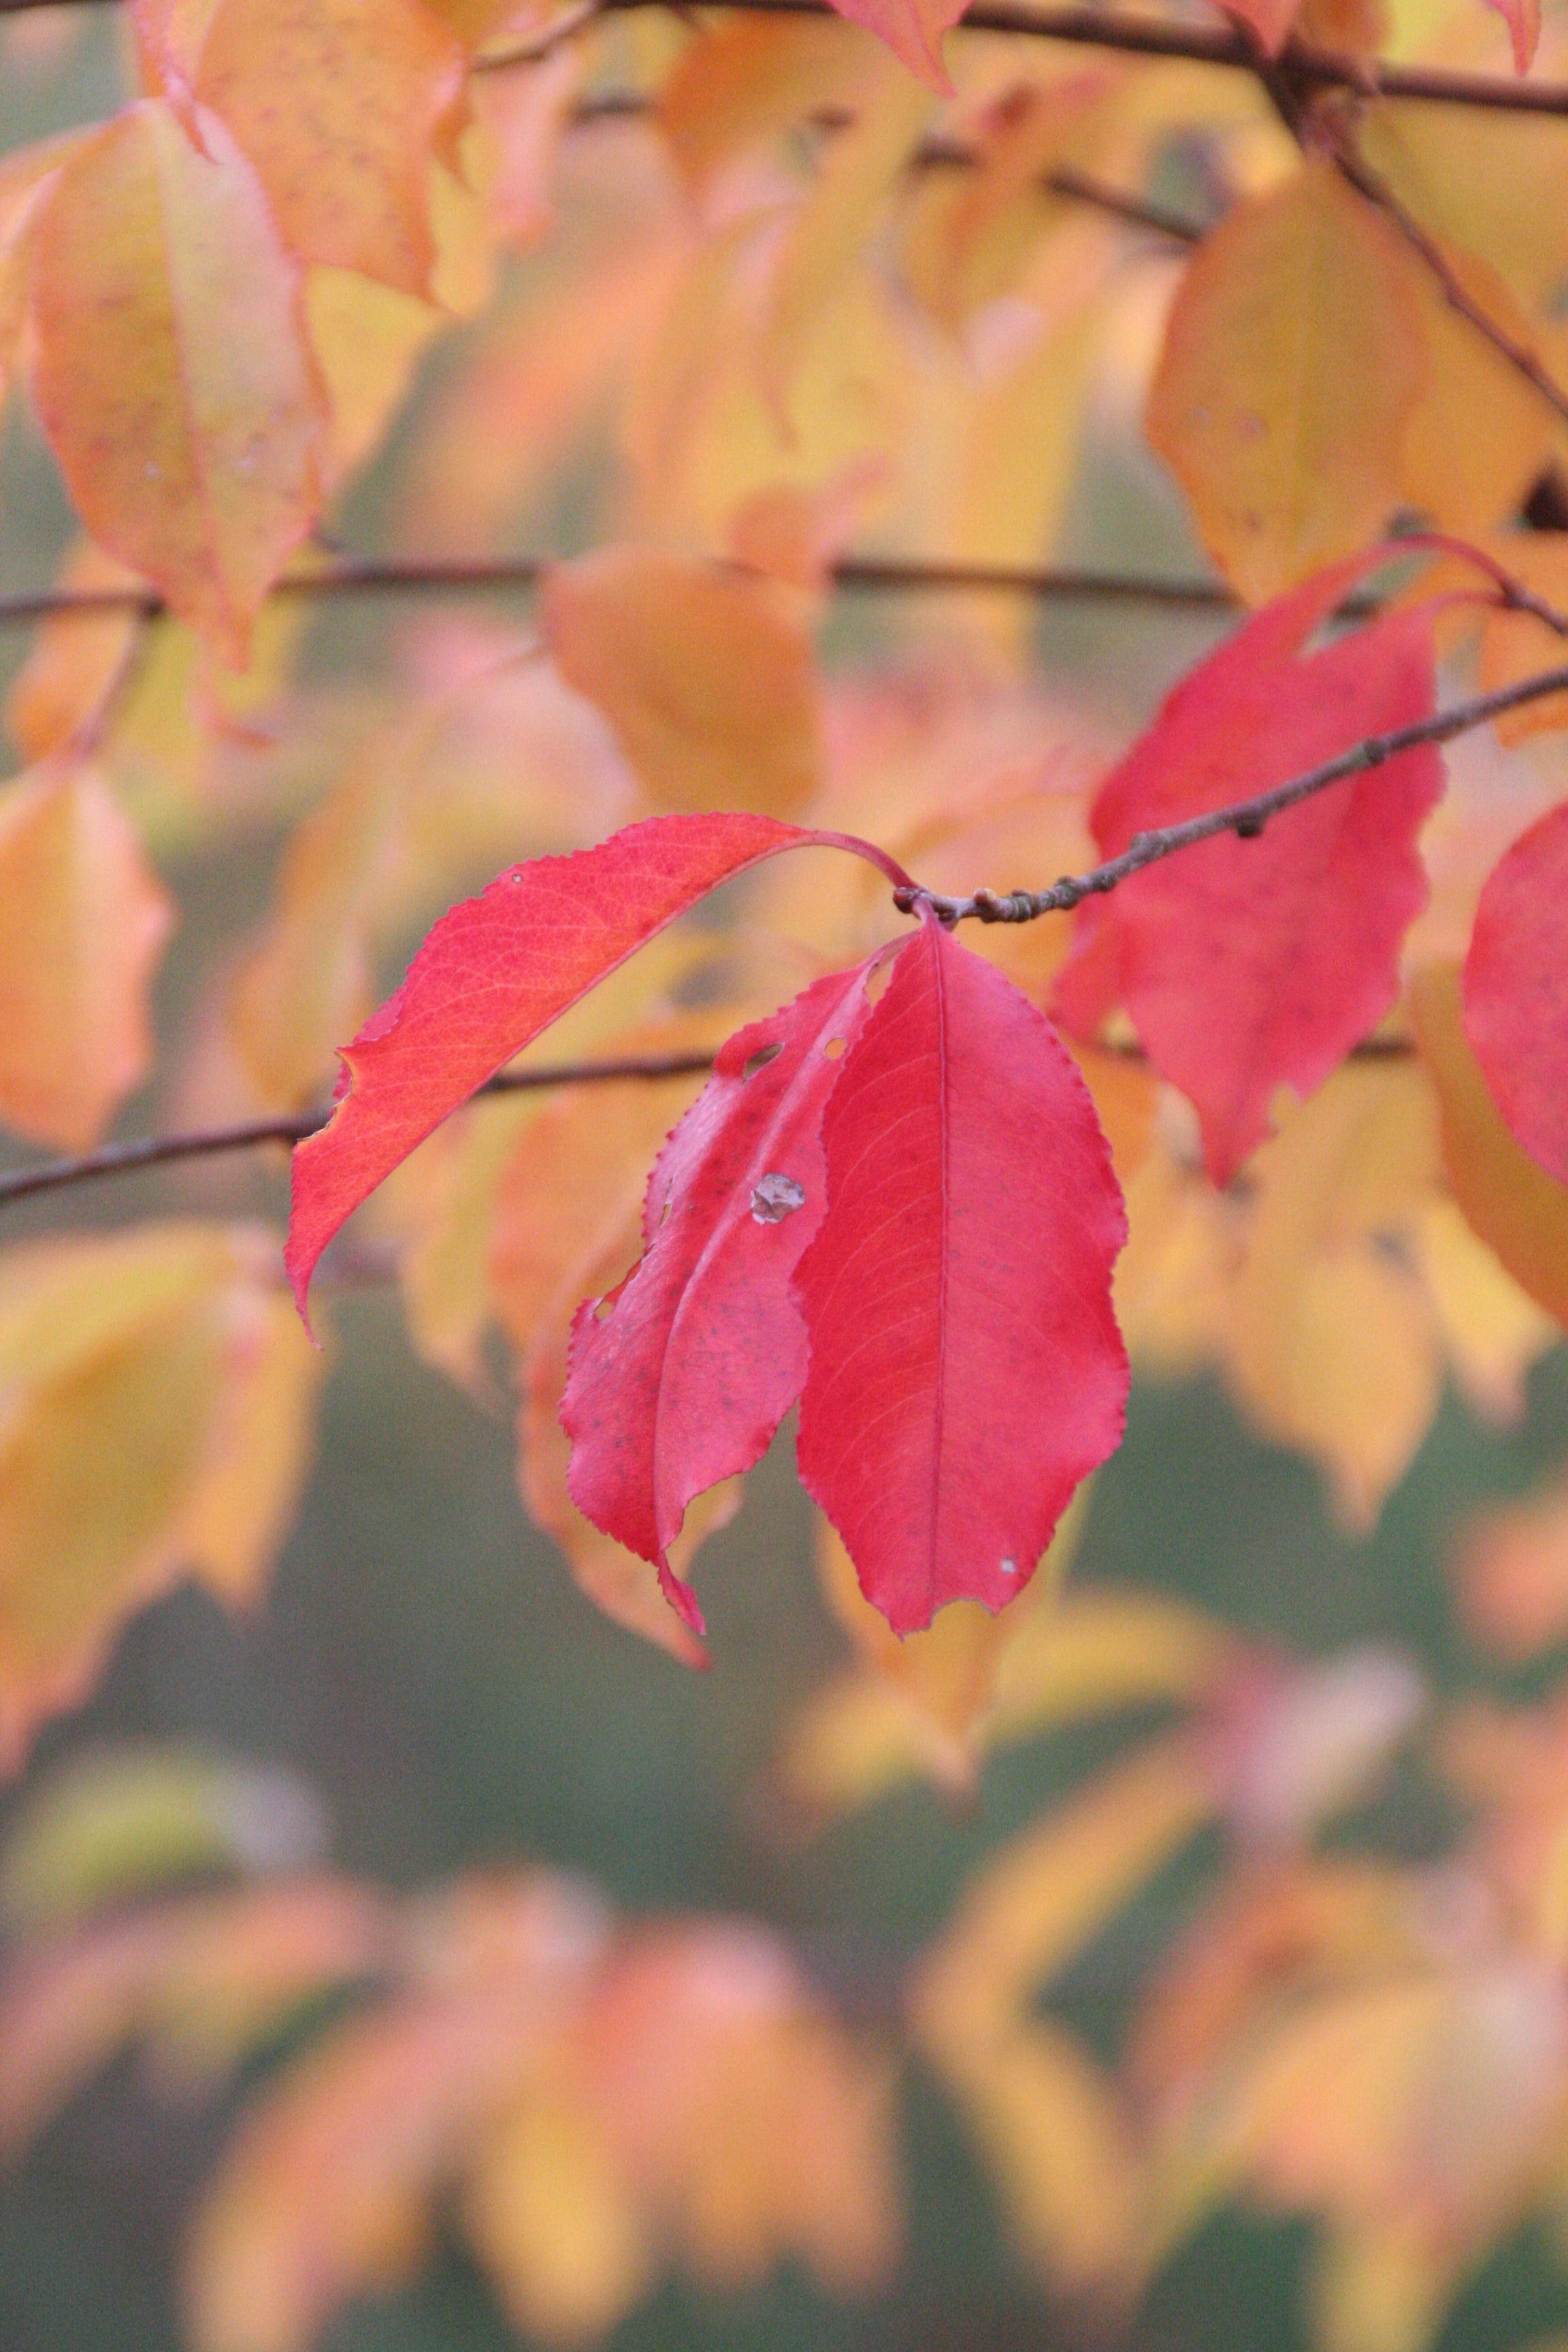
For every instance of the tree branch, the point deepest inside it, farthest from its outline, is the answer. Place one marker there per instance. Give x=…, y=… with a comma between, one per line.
x=208, y=1143
x=393, y=575
x=1247, y=819
x=1104, y=27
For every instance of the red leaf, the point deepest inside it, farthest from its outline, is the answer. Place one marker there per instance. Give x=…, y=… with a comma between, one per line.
x=1246, y=965
x=966, y=1371
x=491, y=974
x=1523, y=19
x=1516, y=990
x=682, y=1376
x=913, y=31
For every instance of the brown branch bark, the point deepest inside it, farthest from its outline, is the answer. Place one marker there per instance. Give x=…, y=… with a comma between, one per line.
x=248, y=1135
x=393, y=575
x=1245, y=818
x=1105, y=28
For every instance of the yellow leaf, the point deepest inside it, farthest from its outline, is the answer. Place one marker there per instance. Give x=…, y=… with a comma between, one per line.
x=335, y=102
x=1099, y=1649
x=703, y=435
x=324, y=2190
x=752, y=2126
x=969, y=234
x=181, y=723
x=187, y=426
x=746, y=80
x=1026, y=1917
x=706, y=676
x=1062, y=2149
x=1513, y=1205
x=85, y=920
x=368, y=339
x=1333, y=1346
x=151, y=1398
x=552, y=2219
x=117, y=1822
x=1479, y=434
x=1293, y=360
x=822, y=247
x=1493, y=1330
x=949, y=1671
x=1378, y=2290
x=1515, y=645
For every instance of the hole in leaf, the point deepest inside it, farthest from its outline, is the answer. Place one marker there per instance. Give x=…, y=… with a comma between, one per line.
x=759, y=1061
x=664, y=1213
x=603, y=1309
x=834, y=1047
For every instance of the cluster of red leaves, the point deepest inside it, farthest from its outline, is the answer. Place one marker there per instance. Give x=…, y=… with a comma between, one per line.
x=893, y=1202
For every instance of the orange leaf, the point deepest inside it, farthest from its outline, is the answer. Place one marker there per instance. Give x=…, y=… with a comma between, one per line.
x=186, y=422
x=706, y=676
x=336, y=103
x=85, y=920
x=152, y=1396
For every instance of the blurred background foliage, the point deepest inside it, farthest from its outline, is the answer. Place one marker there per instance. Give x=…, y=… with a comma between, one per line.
x=423, y=1693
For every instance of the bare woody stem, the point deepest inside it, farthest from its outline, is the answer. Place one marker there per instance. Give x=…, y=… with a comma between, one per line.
x=249, y=1135
x=1107, y=27
x=396, y=576
x=1247, y=819
x=1104, y=27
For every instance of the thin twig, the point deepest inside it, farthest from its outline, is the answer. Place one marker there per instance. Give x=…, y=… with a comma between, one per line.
x=1104, y=27
x=1519, y=356
x=1247, y=819
x=248, y=1135
x=395, y=576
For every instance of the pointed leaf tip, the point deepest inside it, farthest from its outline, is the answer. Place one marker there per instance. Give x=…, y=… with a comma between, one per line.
x=681, y=1378
x=966, y=1371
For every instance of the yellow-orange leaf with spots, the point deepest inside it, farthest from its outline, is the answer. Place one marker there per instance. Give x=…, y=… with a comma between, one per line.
x=187, y=422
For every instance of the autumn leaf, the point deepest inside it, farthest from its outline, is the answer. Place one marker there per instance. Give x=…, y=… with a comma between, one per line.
x=706, y=676
x=491, y=975
x=1293, y=359
x=966, y=1372
x=188, y=426
x=1508, y=1198
x=1246, y=965
x=346, y=169
x=913, y=30
x=681, y=1375
x=86, y=923
x=1523, y=19
x=1516, y=991
x=156, y=1395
